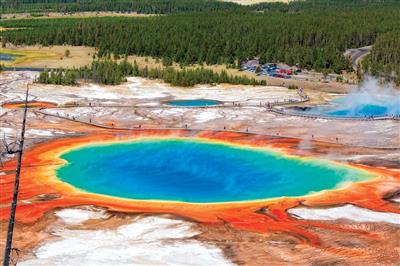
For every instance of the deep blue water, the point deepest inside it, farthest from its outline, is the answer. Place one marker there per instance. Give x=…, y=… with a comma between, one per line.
x=194, y=103
x=193, y=171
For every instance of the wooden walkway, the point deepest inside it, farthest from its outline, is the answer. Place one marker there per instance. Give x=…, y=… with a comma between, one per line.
x=249, y=132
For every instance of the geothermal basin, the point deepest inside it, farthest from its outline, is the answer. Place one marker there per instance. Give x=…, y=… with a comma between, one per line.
x=198, y=171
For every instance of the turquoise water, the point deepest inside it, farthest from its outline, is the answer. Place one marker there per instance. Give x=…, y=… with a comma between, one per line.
x=359, y=105
x=195, y=171
x=362, y=111
x=194, y=103
x=7, y=57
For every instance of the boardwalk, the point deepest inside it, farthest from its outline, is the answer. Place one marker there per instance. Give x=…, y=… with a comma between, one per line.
x=185, y=127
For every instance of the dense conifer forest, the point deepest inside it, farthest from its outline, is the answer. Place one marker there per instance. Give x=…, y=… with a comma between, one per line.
x=138, y=6
x=312, y=34
x=177, y=6
x=385, y=57
x=111, y=72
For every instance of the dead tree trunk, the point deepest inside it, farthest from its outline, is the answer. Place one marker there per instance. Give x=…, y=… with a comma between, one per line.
x=10, y=230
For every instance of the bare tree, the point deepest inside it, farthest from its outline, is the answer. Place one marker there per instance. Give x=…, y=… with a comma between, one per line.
x=8, y=148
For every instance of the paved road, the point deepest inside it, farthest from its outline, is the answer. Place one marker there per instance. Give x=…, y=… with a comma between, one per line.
x=357, y=54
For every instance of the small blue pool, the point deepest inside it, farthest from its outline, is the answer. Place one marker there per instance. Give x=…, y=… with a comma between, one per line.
x=193, y=103
x=7, y=57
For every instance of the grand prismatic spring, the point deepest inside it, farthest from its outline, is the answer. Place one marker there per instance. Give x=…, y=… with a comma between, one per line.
x=241, y=172
x=198, y=171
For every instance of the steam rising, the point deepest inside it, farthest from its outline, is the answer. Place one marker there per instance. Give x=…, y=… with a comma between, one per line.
x=371, y=99
x=372, y=94
x=368, y=99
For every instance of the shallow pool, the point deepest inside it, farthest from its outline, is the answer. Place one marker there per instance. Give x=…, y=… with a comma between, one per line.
x=7, y=57
x=193, y=103
x=198, y=171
